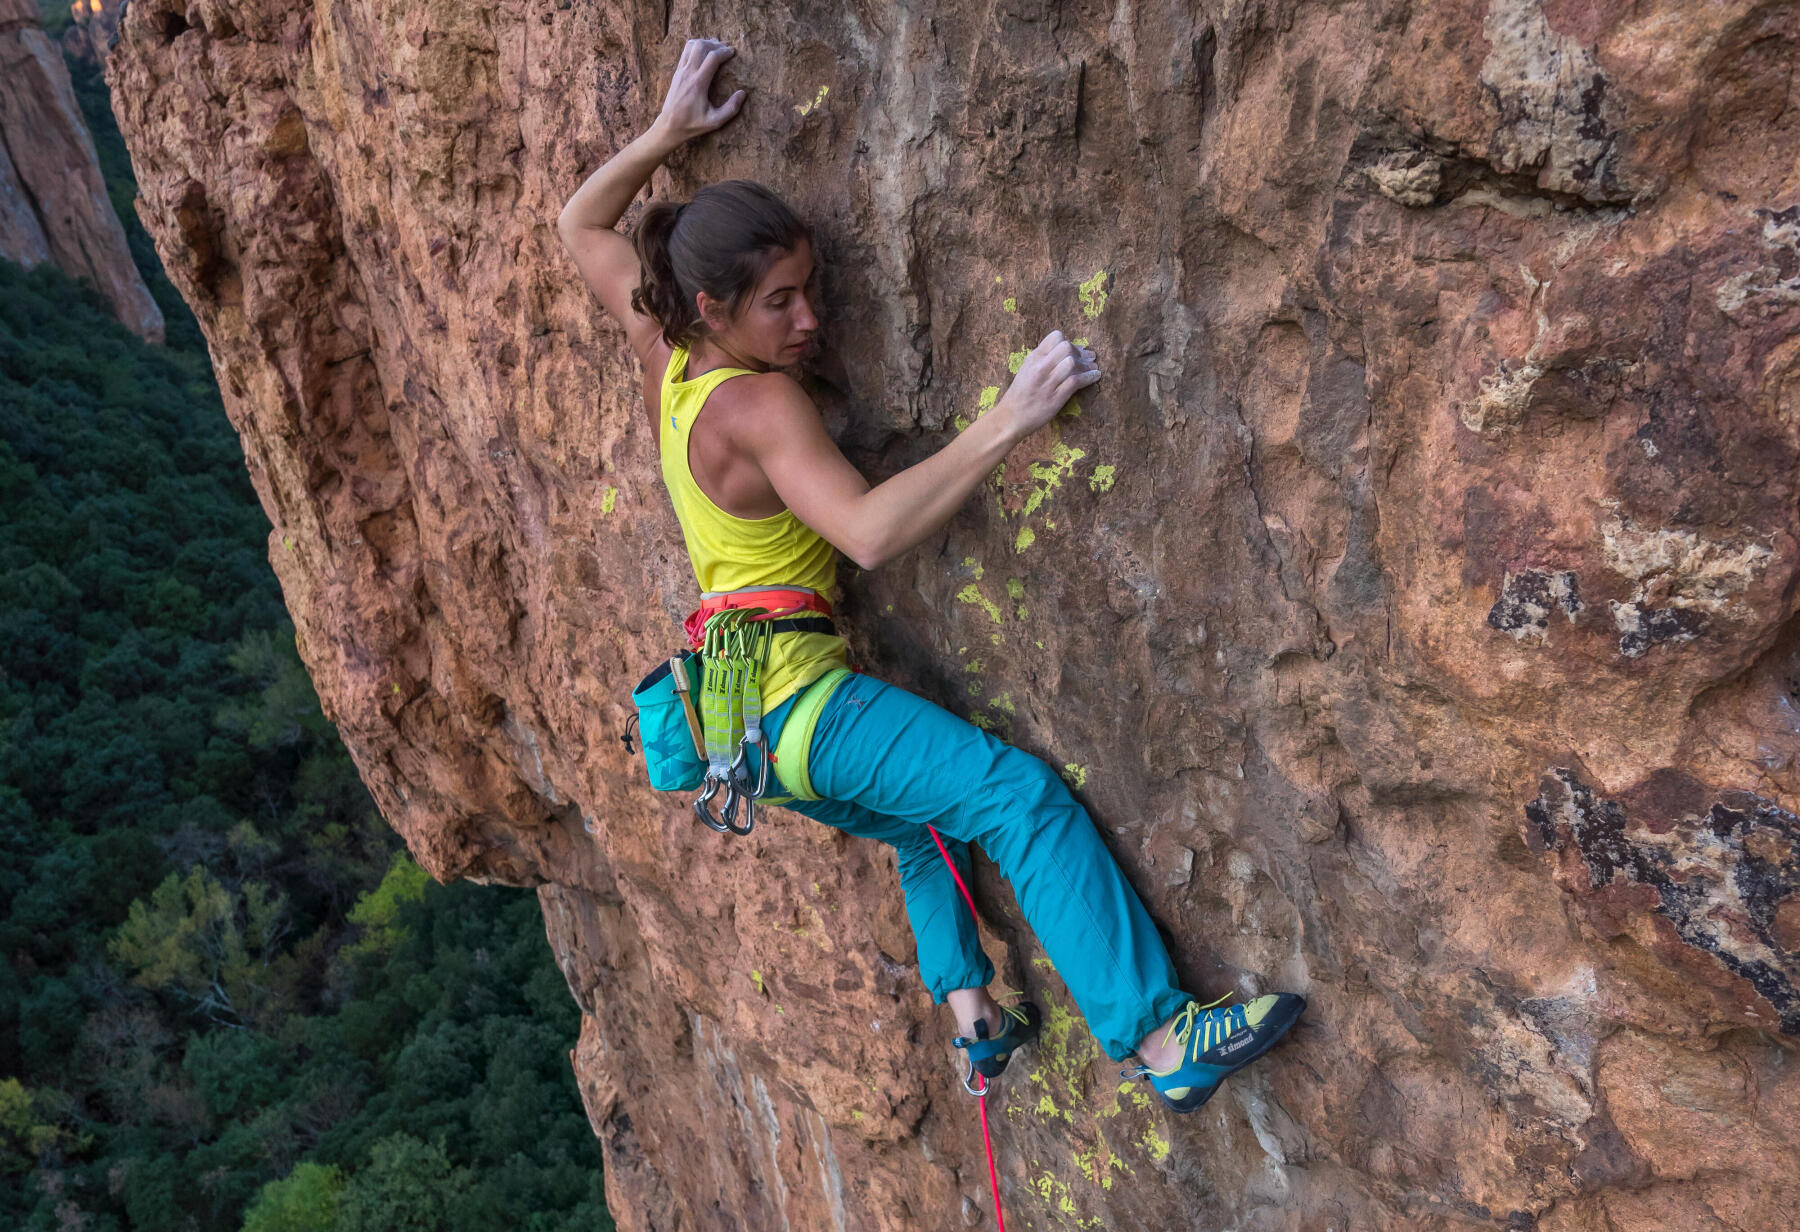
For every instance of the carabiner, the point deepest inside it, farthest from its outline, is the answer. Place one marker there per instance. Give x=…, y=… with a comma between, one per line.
x=733, y=794
x=739, y=773
x=728, y=814
x=704, y=813
x=982, y=1093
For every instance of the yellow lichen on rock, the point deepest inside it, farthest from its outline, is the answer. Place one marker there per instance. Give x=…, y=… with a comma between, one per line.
x=972, y=594
x=1093, y=296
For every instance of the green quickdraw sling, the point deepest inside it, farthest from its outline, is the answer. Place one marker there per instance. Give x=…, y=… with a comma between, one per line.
x=733, y=652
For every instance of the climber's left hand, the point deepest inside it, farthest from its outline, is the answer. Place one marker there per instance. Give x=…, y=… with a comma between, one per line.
x=688, y=111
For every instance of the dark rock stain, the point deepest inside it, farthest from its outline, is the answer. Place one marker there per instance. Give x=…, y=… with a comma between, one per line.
x=1720, y=872
x=1529, y=598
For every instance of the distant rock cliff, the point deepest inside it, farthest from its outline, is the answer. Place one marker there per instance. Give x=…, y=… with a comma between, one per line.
x=1413, y=604
x=89, y=36
x=53, y=203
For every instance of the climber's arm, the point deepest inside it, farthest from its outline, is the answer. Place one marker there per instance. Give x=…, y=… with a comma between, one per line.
x=609, y=265
x=608, y=261
x=781, y=429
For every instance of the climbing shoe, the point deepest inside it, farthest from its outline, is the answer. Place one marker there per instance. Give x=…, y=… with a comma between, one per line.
x=1215, y=1043
x=987, y=1054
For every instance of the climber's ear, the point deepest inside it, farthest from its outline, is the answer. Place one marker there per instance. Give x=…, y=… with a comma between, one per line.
x=609, y=265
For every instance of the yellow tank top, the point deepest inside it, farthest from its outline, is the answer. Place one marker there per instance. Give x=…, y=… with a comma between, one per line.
x=733, y=553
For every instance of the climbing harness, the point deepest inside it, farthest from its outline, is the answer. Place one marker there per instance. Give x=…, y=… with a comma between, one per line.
x=780, y=600
x=734, y=635
x=790, y=755
x=700, y=711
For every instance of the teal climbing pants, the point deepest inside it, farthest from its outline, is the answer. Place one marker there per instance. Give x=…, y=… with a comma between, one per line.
x=889, y=762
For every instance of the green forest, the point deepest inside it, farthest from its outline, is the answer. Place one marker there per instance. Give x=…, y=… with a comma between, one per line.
x=230, y=1000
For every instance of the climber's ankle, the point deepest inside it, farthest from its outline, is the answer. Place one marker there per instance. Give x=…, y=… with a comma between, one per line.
x=972, y=1004
x=1156, y=1050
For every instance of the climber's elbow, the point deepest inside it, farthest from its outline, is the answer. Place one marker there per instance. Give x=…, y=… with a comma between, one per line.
x=868, y=558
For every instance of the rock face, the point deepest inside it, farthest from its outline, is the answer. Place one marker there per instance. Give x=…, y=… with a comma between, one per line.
x=1413, y=604
x=53, y=202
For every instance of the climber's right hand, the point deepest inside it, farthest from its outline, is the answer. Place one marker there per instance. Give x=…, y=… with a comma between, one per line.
x=688, y=112
x=1052, y=374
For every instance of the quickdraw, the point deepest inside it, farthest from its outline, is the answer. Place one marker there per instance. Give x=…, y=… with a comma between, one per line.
x=733, y=651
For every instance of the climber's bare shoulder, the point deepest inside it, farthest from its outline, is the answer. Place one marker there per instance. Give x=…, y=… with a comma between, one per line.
x=768, y=423
x=760, y=446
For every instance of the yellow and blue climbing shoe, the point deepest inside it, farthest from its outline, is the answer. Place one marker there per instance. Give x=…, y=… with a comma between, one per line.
x=988, y=1055
x=1216, y=1043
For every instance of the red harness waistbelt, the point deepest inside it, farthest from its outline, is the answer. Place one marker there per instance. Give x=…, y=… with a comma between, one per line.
x=779, y=603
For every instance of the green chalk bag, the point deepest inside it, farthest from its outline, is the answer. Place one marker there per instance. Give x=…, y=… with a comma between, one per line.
x=669, y=723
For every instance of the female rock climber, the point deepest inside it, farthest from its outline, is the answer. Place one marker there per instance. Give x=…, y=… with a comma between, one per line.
x=714, y=295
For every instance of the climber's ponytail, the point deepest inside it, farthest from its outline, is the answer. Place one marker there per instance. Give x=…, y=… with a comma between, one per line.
x=722, y=242
x=658, y=295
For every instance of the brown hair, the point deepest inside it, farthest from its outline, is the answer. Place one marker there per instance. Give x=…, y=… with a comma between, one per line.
x=722, y=242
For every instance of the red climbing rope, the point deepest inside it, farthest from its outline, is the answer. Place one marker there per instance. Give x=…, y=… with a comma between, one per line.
x=993, y=1177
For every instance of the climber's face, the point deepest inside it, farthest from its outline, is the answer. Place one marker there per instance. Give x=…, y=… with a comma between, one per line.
x=777, y=324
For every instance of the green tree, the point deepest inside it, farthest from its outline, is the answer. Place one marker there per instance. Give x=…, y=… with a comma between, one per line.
x=407, y=1186
x=26, y=1138
x=381, y=912
x=305, y=1200
x=200, y=940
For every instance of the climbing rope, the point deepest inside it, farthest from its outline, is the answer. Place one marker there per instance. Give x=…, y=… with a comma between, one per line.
x=733, y=651
x=980, y=1092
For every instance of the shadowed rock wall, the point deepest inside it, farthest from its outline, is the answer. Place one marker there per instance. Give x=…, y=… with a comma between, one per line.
x=1413, y=605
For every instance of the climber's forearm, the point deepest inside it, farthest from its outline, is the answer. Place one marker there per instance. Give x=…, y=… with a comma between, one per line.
x=912, y=506
x=606, y=195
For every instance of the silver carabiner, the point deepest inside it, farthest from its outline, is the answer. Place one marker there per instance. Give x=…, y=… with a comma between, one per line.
x=705, y=814
x=728, y=814
x=762, y=770
x=982, y=1093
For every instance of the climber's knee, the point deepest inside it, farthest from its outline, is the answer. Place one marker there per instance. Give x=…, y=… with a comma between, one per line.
x=917, y=855
x=1024, y=797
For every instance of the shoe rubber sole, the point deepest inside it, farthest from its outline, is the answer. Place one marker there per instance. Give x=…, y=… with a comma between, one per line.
x=1282, y=1020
